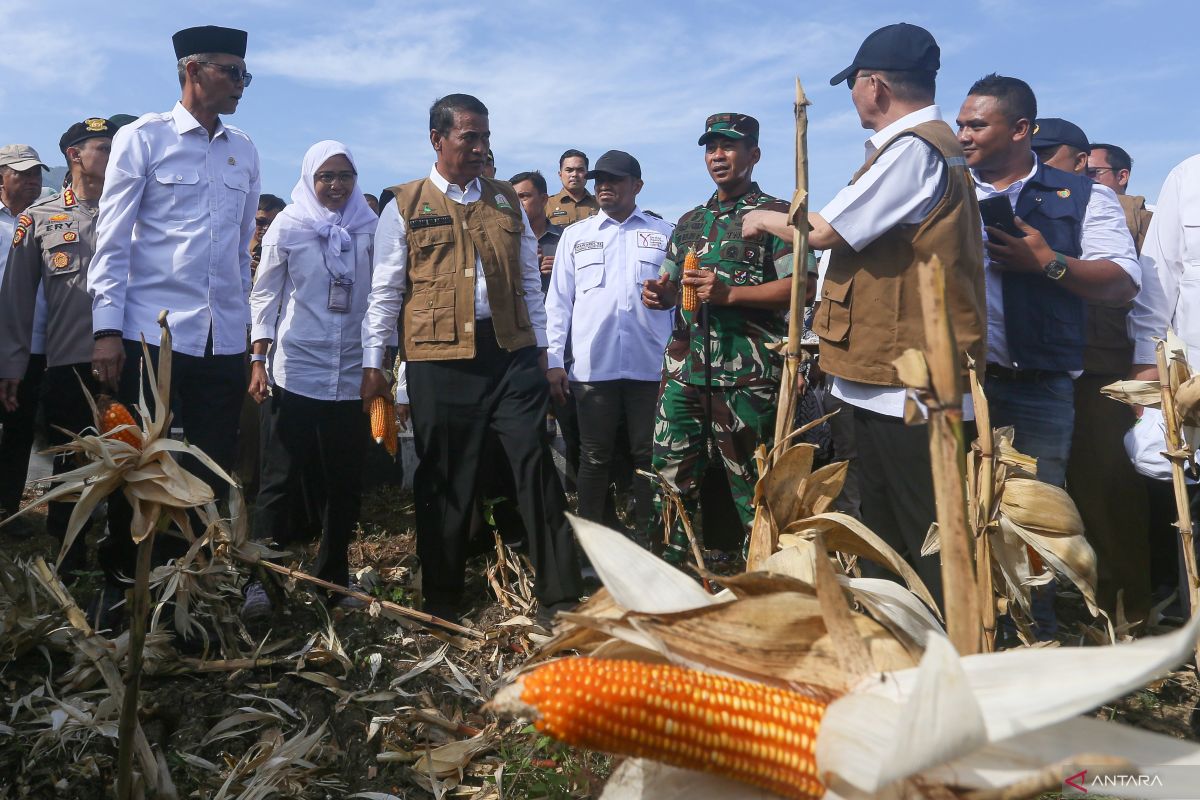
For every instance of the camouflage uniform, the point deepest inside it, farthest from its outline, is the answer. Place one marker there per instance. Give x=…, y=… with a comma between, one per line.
x=745, y=371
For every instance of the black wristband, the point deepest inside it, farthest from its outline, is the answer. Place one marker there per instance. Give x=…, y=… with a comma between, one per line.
x=104, y=334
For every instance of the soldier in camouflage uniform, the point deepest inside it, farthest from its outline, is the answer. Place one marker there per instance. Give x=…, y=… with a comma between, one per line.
x=744, y=284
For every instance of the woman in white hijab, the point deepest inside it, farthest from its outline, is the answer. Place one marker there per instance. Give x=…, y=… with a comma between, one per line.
x=307, y=307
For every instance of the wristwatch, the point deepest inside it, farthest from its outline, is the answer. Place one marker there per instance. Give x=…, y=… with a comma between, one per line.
x=1055, y=269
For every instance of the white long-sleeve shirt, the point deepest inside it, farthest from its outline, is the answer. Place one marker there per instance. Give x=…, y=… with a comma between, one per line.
x=1170, y=291
x=595, y=299
x=391, y=270
x=315, y=352
x=174, y=230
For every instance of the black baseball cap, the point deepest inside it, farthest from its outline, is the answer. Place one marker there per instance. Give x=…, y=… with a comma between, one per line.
x=616, y=162
x=900, y=47
x=1053, y=131
x=90, y=128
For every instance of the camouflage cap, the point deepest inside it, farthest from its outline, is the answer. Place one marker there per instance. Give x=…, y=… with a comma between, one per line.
x=730, y=126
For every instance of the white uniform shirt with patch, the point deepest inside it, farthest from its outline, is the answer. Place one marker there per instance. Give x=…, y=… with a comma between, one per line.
x=174, y=230
x=595, y=299
x=902, y=187
x=8, y=227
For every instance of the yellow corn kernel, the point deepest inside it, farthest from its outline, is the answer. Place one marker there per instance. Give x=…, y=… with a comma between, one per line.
x=742, y=730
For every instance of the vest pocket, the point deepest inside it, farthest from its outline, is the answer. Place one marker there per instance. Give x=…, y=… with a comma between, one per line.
x=432, y=316
x=433, y=245
x=520, y=310
x=832, y=319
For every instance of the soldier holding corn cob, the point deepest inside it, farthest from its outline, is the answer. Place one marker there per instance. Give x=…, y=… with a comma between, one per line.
x=721, y=388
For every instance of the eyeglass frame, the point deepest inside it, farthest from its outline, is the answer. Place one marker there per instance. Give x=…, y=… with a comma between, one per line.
x=233, y=72
x=319, y=177
x=1092, y=172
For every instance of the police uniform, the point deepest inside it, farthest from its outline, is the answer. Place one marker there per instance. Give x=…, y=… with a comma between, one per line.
x=52, y=249
x=562, y=209
x=735, y=364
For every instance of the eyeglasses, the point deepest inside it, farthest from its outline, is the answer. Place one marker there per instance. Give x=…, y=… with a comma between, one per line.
x=1093, y=172
x=261, y=222
x=235, y=74
x=328, y=178
x=850, y=81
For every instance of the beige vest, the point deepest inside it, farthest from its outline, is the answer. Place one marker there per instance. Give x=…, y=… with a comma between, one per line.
x=444, y=238
x=870, y=310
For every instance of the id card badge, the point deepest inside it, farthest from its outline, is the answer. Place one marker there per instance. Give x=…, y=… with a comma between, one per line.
x=339, y=294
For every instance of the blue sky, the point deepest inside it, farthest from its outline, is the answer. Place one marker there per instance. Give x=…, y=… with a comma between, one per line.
x=636, y=76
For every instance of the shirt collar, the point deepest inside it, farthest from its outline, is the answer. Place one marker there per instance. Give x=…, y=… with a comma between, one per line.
x=444, y=185
x=565, y=196
x=715, y=203
x=185, y=122
x=1015, y=187
x=912, y=119
x=637, y=213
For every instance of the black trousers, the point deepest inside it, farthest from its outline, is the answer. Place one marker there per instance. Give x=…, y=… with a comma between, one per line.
x=66, y=406
x=454, y=404
x=297, y=431
x=603, y=406
x=896, y=484
x=206, y=392
x=568, y=421
x=16, y=439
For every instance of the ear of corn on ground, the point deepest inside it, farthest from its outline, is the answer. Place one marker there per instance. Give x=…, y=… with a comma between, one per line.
x=114, y=414
x=383, y=424
x=742, y=730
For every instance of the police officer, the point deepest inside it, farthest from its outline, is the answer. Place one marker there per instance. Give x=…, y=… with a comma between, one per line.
x=720, y=375
x=574, y=202
x=52, y=249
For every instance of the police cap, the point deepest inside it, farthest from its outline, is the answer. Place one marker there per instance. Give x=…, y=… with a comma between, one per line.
x=901, y=47
x=730, y=126
x=90, y=128
x=1053, y=131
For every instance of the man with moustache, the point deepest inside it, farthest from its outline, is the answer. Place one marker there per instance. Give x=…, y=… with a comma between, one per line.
x=50, y=258
x=174, y=231
x=574, y=202
x=721, y=389
x=456, y=259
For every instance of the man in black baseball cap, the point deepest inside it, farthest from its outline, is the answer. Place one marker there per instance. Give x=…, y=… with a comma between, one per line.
x=1060, y=144
x=901, y=47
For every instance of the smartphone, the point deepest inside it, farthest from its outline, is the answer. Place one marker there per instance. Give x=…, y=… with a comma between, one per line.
x=997, y=213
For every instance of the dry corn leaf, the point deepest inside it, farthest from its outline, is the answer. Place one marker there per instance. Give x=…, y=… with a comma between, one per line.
x=450, y=759
x=1135, y=393
x=781, y=482
x=819, y=490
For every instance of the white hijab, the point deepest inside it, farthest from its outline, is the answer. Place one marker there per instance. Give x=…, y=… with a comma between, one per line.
x=306, y=220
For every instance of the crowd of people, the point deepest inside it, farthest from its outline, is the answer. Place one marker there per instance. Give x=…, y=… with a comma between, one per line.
x=481, y=306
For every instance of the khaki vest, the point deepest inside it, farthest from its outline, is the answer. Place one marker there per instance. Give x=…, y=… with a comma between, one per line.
x=870, y=310
x=444, y=237
x=1109, y=349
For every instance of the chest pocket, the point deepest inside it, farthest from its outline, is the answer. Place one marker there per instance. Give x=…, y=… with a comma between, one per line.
x=504, y=231
x=237, y=186
x=431, y=251
x=589, y=270
x=1058, y=220
x=179, y=194
x=649, y=263
x=60, y=253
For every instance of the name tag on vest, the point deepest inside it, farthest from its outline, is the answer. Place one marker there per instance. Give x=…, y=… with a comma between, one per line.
x=428, y=222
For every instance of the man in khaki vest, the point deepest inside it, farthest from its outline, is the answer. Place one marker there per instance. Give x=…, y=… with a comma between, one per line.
x=456, y=261
x=912, y=199
x=574, y=202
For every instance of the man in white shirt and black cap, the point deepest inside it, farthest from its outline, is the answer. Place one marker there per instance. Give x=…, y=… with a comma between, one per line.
x=174, y=231
x=594, y=304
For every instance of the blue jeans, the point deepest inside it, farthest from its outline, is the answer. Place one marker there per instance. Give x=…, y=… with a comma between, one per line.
x=1042, y=413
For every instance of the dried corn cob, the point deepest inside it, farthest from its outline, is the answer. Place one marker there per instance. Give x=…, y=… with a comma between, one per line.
x=383, y=423
x=114, y=414
x=690, y=262
x=746, y=731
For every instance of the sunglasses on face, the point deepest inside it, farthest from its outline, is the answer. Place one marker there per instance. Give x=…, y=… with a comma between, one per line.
x=235, y=74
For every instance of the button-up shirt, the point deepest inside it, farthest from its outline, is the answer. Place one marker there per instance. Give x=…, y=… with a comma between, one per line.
x=1104, y=236
x=391, y=270
x=563, y=209
x=902, y=187
x=176, y=220
x=595, y=299
x=315, y=352
x=8, y=226
x=1170, y=293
